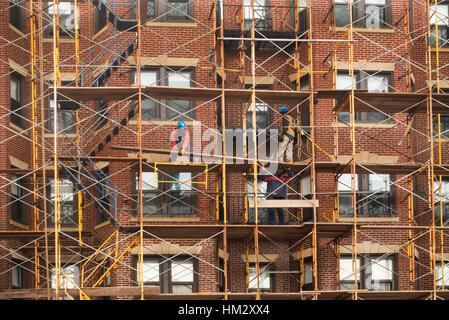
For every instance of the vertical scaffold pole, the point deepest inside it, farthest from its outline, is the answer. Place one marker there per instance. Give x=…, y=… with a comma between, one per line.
x=431, y=175
x=139, y=143
x=44, y=161
x=77, y=117
x=56, y=83
x=223, y=137
x=34, y=77
x=353, y=160
x=254, y=136
x=312, y=168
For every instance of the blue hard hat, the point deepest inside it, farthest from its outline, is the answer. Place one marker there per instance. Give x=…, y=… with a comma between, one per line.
x=181, y=124
x=283, y=109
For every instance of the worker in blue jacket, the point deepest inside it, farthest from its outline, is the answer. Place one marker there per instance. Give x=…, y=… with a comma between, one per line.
x=277, y=190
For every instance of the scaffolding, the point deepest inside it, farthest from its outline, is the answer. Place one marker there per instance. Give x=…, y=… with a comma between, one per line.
x=252, y=58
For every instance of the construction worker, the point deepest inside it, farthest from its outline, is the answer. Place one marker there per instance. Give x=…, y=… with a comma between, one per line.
x=286, y=136
x=277, y=190
x=180, y=139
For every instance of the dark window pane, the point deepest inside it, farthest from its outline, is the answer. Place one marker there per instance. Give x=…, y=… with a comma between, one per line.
x=149, y=109
x=178, y=9
x=342, y=17
x=100, y=18
x=376, y=117
x=15, y=13
x=179, y=109
x=444, y=126
x=344, y=116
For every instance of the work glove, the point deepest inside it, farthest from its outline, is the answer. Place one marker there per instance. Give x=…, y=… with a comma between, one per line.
x=181, y=152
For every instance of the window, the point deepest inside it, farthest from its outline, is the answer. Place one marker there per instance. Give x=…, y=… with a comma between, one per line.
x=173, y=275
x=262, y=213
x=17, y=199
x=151, y=10
x=178, y=10
x=166, y=198
x=373, y=82
x=374, y=195
x=222, y=279
x=373, y=273
x=439, y=275
x=266, y=278
x=68, y=203
x=66, y=12
x=107, y=280
x=179, y=109
x=342, y=17
x=16, y=13
x=305, y=183
x=102, y=114
x=100, y=18
x=307, y=276
x=17, y=97
x=18, y=275
x=66, y=120
x=262, y=116
x=370, y=14
x=263, y=113
x=441, y=194
x=169, y=10
x=69, y=278
x=261, y=18
x=166, y=109
x=439, y=17
x=444, y=126
x=104, y=198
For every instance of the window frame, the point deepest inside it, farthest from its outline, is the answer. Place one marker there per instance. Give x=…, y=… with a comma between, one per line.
x=444, y=127
x=439, y=281
x=70, y=285
x=267, y=115
x=162, y=11
x=163, y=200
x=101, y=107
x=361, y=79
x=443, y=27
x=100, y=18
x=272, y=278
x=262, y=213
x=74, y=205
x=165, y=262
x=17, y=117
x=162, y=79
x=21, y=270
x=262, y=16
x=444, y=200
x=64, y=32
x=69, y=128
x=103, y=209
x=308, y=267
x=16, y=18
x=363, y=208
x=18, y=208
x=360, y=16
x=362, y=279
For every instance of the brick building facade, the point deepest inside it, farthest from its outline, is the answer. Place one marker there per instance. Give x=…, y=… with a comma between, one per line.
x=197, y=62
